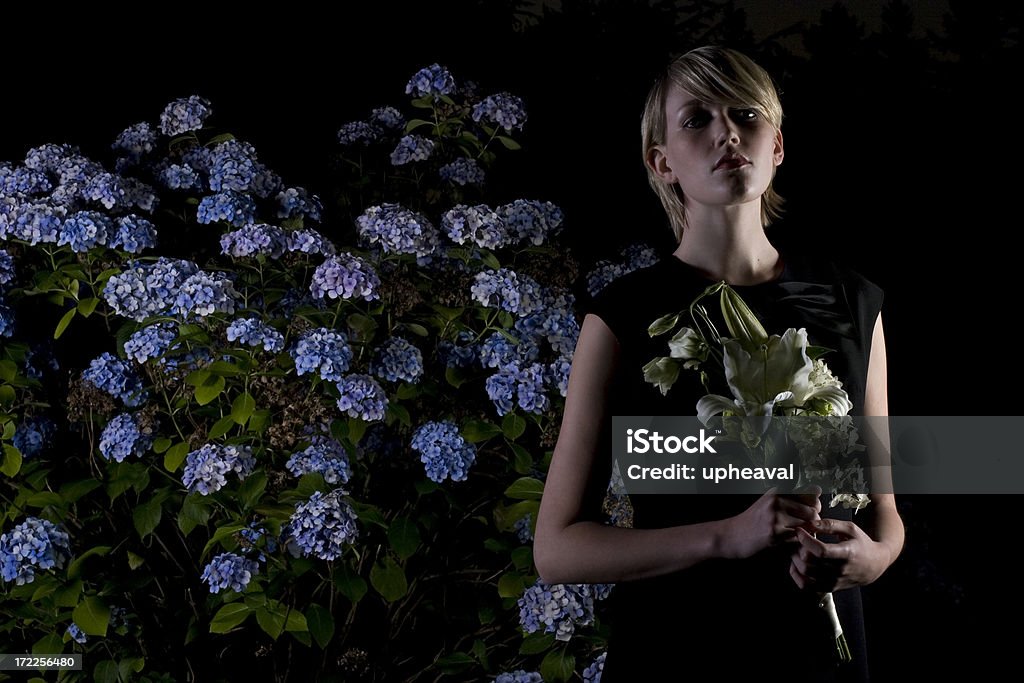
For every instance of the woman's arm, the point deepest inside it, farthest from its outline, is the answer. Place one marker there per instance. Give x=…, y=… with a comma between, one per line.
x=870, y=549
x=571, y=544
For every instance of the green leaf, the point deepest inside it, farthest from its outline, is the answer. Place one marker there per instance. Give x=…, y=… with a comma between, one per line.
x=242, y=408
x=522, y=557
x=161, y=444
x=456, y=376
x=175, y=455
x=416, y=123
x=251, y=490
x=523, y=463
x=220, y=534
x=513, y=426
x=74, y=490
x=224, y=368
x=296, y=621
x=362, y=324
x=105, y=672
x=87, y=306
x=455, y=662
x=67, y=596
x=525, y=488
x=558, y=666
x=8, y=370
x=146, y=516
x=259, y=420
x=64, y=322
x=126, y=667
x=407, y=391
x=229, y=616
x=7, y=394
x=197, y=378
x=194, y=512
x=221, y=427
x=417, y=329
x=490, y=260
x=509, y=143
x=41, y=499
x=12, y=460
x=321, y=624
x=75, y=568
x=404, y=536
x=535, y=643
x=50, y=644
x=92, y=616
x=511, y=585
x=135, y=561
x=271, y=622
x=349, y=584
x=208, y=392
x=400, y=413
x=388, y=579
x=479, y=430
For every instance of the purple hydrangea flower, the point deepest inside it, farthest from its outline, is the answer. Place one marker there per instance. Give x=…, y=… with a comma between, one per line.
x=322, y=526
x=123, y=436
x=135, y=141
x=203, y=294
x=433, y=80
x=443, y=451
x=229, y=570
x=23, y=180
x=179, y=177
x=324, y=352
x=558, y=608
x=519, y=676
x=505, y=289
x=462, y=171
x=35, y=544
x=296, y=201
x=477, y=224
x=388, y=118
x=345, y=276
x=47, y=158
x=205, y=468
x=233, y=166
x=323, y=455
x=84, y=230
x=134, y=234
x=150, y=342
x=117, y=378
x=33, y=435
x=361, y=397
x=250, y=240
x=412, y=148
x=76, y=634
x=398, y=361
x=36, y=222
x=252, y=332
x=231, y=207
x=358, y=133
x=309, y=241
x=503, y=110
x=397, y=230
x=531, y=220
x=185, y=114
x=593, y=672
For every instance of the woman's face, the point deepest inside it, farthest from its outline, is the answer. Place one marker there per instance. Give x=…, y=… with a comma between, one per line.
x=719, y=155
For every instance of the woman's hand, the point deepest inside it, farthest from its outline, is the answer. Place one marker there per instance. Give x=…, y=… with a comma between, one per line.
x=856, y=560
x=771, y=521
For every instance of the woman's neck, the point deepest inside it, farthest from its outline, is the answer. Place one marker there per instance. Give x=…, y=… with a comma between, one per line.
x=736, y=251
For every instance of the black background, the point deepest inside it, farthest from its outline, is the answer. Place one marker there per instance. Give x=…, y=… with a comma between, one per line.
x=902, y=160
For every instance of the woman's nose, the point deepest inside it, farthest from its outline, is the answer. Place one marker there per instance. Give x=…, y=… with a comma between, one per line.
x=726, y=131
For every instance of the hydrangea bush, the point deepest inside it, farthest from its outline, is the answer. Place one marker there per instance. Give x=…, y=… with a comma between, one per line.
x=242, y=429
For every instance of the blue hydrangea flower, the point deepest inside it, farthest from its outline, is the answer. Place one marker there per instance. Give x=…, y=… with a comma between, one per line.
x=150, y=342
x=229, y=570
x=638, y=256
x=554, y=321
x=23, y=180
x=265, y=183
x=117, y=378
x=519, y=676
x=76, y=634
x=321, y=526
x=253, y=332
x=231, y=207
x=323, y=455
x=397, y=230
x=205, y=468
x=106, y=189
x=33, y=435
x=84, y=230
x=135, y=141
x=412, y=148
x=461, y=353
x=250, y=538
x=398, y=361
x=603, y=274
x=523, y=528
x=462, y=171
x=345, y=276
x=309, y=241
x=531, y=220
x=185, y=114
x=296, y=201
x=260, y=238
x=433, y=80
x=505, y=289
x=501, y=389
x=324, y=352
x=558, y=372
x=358, y=133
x=6, y=320
x=36, y=222
x=140, y=195
x=204, y=293
x=122, y=437
x=503, y=110
x=477, y=224
x=134, y=234
x=388, y=118
x=498, y=351
x=179, y=177
x=558, y=608
x=526, y=383
x=199, y=157
x=77, y=169
x=233, y=166
x=33, y=544
x=362, y=397
x=593, y=672
x=443, y=451
x=46, y=158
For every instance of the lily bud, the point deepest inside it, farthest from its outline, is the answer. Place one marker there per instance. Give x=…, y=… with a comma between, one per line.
x=741, y=321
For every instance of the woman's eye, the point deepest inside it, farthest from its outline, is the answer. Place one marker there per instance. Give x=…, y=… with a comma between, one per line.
x=745, y=114
x=696, y=121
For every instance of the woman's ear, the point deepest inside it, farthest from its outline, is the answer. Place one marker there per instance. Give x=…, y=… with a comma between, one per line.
x=658, y=163
x=778, y=152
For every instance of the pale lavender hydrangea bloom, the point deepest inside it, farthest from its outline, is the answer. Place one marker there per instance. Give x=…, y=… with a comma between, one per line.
x=34, y=544
x=503, y=109
x=507, y=290
x=345, y=276
x=397, y=230
x=322, y=526
x=205, y=468
x=433, y=80
x=361, y=397
x=184, y=114
x=412, y=148
x=462, y=171
x=477, y=224
x=229, y=570
x=443, y=451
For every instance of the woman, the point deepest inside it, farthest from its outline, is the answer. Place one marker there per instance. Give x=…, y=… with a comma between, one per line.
x=721, y=583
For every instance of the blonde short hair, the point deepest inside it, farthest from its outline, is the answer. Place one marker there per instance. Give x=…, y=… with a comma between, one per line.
x=719, y=76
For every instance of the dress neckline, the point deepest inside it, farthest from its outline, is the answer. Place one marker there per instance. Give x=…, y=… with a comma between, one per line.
x=783, y=276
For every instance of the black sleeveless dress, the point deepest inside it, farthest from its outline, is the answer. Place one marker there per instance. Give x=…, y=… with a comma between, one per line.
x=729, y=620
